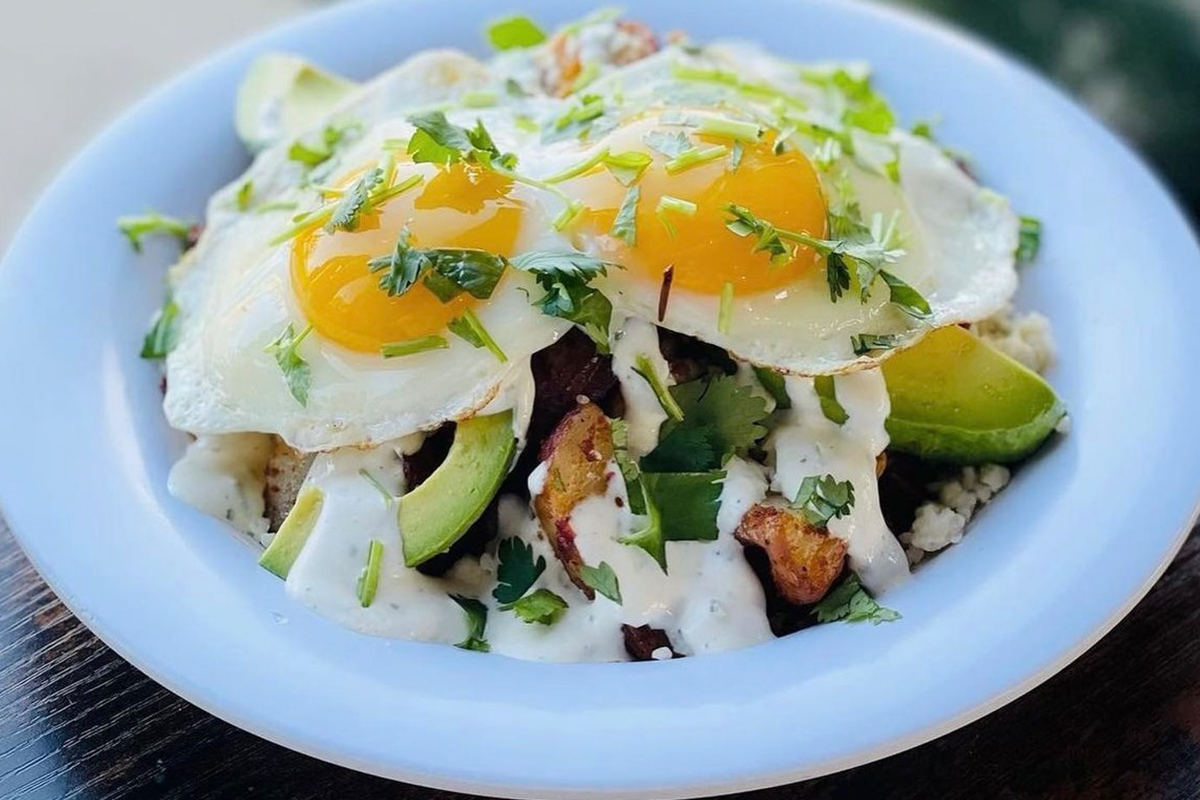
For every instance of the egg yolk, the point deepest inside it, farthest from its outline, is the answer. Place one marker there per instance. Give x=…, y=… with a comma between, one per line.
x=704, y=254
x=460, y=206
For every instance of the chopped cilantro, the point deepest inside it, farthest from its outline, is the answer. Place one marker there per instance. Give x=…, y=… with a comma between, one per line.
x=1030, y=239
x=645, y=368
x=603, y=580
x=368, y=579
x=624, y=225
x=476, y=615
x=296, y=371
x=720, y=418
x=153, y=223
x=650, y=537
x=864, y=343
x=439, y=141
x=694, y=157
x=822, y=498
x=687, y=503
x=579, y=168
x=516, y=31
x=245, y=195
x=543, y=607
x=517, y=570
x=411, y=347
x=849, y=602
x=738, y=130
x=627, y=167
x=164, y=333
x=564, y=277
x=446, y=271
x=470, y=328
x=735, y=156
x=388, y=499
x=671, y=144
x=909, y=300
x=313, y=152
x=478, y=99
x=578, y=120
x=827, y=394
x=353, y=202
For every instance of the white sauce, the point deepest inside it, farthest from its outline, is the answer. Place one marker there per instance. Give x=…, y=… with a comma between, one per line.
x=806, y=443
x=222, y=475
x=407, y=605
x=644, y=415
x=709, y=602
x=745, y=377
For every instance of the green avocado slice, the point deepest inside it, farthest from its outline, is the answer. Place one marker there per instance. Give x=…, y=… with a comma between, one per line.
x=439, y=511
x=957, y=399
x=282, y=96
x=293, y=533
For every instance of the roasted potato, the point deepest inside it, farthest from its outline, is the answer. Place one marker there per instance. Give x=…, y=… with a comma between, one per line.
x=577, y=454
x=805, y=560
x=285, y=471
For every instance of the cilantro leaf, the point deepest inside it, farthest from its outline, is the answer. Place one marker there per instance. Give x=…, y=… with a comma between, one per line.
x=827, y=394
x=476, y=272
x=564, y=277
x=368, y=579
x=315, y=152
x=153, y=223
x=476, y=615
x=849, y=602
x=164, y=333
x=517, y=571
x=822, y=498
x=687, y=503
x=437, y=140
x=470, y=328
x=837, y=275
x=624, y=225
x=650, y=538
x=516, y=31
x=643, y=366
x=864, y=343
x=446, y=271
x=245, y=195
x=348, y=211
x=296, y=370
x=627, y=167
x=671, y=144
x=1030, y=239
x=403, y=267
x=603, y=580
x=909, y=300
x=543, y=607
x=718, y=414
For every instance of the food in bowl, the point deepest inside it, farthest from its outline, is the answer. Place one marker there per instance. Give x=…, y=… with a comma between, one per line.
x=599, y=349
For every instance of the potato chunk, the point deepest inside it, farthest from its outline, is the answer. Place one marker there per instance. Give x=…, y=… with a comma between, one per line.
x=577, y=455
x=805, y=560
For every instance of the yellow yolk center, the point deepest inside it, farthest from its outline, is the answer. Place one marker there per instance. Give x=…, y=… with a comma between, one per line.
x=780, y=189
x=456, y=207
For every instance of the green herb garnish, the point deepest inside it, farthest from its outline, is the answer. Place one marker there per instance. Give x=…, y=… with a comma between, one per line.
x=476, y=614
x=645, y=368
x=516, y=31
x=849, y=602
x=154, y=224
x=720, y=418
x=164, y=333
x=543, y=607
x=368, y=579
x=517, y=570
x=1030, y=239
x=410, y=347
x=864, y=343
x=470, y=328
x=827, y=394
x=822, y=498
x=624, y=225
x=296, y=371
x=602, y=579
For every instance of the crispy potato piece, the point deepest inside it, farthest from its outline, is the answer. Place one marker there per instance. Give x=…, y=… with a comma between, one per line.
x=805, y=560
x=285, y=472
x=578, y=452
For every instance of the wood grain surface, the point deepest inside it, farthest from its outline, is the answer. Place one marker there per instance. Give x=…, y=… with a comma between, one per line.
x=76, y=721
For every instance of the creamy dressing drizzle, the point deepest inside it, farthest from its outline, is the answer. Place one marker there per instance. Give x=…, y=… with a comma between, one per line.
x=222, y=475
x=516, y=392
x=806, y=443
x=644, y=415
x=709, y=602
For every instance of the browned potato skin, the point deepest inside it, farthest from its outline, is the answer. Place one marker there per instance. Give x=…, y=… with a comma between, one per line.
x=578, y=452
x=805, y=560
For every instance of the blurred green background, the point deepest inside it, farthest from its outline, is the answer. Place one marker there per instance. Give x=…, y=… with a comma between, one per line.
x=1134, y=63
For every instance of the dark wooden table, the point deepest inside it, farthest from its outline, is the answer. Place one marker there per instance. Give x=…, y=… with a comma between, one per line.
x=1124, y=721
x=76, y=721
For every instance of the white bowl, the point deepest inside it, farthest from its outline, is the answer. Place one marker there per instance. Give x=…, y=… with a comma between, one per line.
x=1048, y=569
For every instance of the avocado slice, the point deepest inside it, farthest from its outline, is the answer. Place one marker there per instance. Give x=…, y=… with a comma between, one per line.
x=293, y=533
x=281, y=97
x=439, y=511
x=957, y=399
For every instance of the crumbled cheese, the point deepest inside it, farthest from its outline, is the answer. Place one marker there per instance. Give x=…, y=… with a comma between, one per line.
x=1024, y=337
x=935, y=527
x=661, y=654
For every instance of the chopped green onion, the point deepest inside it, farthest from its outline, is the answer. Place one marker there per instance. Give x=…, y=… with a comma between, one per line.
x=725, y=310
x=400, y=188
x=395, y=144
x=667, y=203
x=526, y=123
x=379, y=487
x=413, y=346
x=567, y=215
x=627, y=167
x=305, y=223
x=737, y=130
x=695, y=157
x=368, y=579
